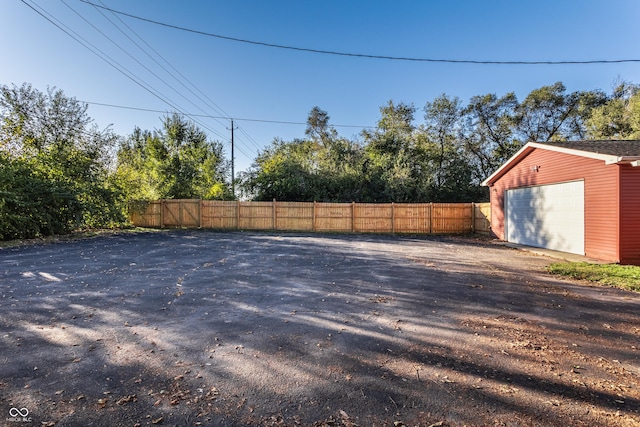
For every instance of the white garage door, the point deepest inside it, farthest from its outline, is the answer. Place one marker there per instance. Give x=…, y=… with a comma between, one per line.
x=547, y=216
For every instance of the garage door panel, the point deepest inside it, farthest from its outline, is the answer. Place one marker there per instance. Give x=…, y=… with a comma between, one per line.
x=547, y=216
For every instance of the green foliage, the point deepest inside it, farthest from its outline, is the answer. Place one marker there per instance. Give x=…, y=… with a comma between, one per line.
x=54, y=175
x=176, y=162
x=389, y=166
x=324, y=167
x=396, y=163
x=452, y=174
x=57, y=172
x=32, y=204
x=551, y=114
x=444, y=159
x=621, y=276
x=285, y=171
x=619, y=117
x=488, y=136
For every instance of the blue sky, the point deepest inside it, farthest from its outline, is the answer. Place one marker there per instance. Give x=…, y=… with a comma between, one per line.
x=247, y=81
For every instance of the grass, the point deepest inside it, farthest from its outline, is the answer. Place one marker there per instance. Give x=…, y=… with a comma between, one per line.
x=620, y=276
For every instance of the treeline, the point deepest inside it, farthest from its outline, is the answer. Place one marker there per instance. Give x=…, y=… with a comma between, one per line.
x=442, y=158
x=60, y=172
x=54, y=166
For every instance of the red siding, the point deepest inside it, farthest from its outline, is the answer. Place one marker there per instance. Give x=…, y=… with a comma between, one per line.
x=601, y=195
x=630, y=214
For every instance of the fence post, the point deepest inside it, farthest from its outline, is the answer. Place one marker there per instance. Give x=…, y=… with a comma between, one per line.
x=473, y=217
x=353, y=217
x=162, y=213
x=238, y=214
x=393, y=219
x=314, y=215
x=431, y=218
x=200, y=202
x=273, y=212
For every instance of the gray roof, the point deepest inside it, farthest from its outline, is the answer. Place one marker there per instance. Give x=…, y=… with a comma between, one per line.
x=629, y=148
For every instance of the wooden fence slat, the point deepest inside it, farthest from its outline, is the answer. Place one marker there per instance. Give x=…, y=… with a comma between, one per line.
x=373, y=218
x=418, y=218
x=294, y=216
x=219, y=214
x=255, y=215
x=482, y=218
x=171, y=213
x=452, y=218
x=146, y=214
x=190, y=213
x=412, y=218
x=336, y=217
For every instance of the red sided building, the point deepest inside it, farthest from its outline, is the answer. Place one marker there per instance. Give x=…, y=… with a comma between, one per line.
x=581, y=197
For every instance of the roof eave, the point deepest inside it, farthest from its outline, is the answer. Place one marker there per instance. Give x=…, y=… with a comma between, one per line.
x=530, y=146
x=521, y=154
x=632, y=160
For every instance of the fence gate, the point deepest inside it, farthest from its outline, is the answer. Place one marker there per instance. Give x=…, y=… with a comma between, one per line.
x=181, y=213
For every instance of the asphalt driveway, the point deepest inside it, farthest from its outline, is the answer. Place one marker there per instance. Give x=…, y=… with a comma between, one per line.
x=231, y=329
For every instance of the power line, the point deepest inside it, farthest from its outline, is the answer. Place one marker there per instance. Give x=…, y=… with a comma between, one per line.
x=113, y=63
x=245, y=119
x=137, y=61
x=252, y=141
x=181, y=80
x=207, y=101
x=129, y=74
x=95, y=50
x=363, y=55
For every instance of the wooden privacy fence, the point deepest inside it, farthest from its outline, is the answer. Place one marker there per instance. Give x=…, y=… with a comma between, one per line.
x=427, y=218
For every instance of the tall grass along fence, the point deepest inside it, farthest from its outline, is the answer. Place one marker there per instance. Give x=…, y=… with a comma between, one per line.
x=417, y=218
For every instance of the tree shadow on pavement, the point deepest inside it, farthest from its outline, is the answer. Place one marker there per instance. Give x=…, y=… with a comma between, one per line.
x=203, y=328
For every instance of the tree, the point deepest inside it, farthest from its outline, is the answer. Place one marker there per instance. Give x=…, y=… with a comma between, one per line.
x=318, y=128
x=452, y=171
x=444, y=159
x=284, y=171
x=489, y=131
x=394, y=129
x=322, y=167
x=338, y=161
x=32, y=205
x=442, y=118
x=389, y=168
x=176, y=162
x=55, y=164
x=549, y=113
x=619, y=117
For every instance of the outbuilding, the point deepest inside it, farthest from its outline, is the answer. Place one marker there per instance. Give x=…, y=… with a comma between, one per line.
x=581, y=197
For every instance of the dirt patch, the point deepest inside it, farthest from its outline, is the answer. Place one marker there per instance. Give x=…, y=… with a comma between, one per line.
x=229, y=329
